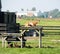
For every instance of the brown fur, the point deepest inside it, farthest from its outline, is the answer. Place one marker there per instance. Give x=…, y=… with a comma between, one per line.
x=32, y=23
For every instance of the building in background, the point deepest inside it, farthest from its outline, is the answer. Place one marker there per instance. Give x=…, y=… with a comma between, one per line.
x=27, y=14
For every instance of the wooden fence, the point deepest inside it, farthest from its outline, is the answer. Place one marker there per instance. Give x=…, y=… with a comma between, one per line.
x=51, y=30
x=39, y=30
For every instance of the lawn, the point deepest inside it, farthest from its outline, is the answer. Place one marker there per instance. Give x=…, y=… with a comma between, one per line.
x=49, y=47
x=30, y=51
x=50, y=43
x=43, y=22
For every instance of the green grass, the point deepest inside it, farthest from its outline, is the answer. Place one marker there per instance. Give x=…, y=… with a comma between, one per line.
x=50, y=22
x=50, y=47
x=43, y=22
x=30, y=51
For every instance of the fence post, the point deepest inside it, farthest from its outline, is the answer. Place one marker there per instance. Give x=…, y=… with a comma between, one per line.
x=5, y=43
x=2, y=42
x=21, y=42
x=40, y=38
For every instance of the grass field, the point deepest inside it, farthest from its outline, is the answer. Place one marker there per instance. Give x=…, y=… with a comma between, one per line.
x=43, y=22
x=30, y=51
x=50, y=43
x=52, y=47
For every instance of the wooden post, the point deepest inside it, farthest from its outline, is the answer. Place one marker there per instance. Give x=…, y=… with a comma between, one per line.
x=2, y=42
x=21, y=39
x=21, y=42
x=5, y=43
x=40, y=39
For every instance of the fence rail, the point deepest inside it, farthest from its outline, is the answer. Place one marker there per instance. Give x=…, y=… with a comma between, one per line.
x=51, y=27
x=51, y=30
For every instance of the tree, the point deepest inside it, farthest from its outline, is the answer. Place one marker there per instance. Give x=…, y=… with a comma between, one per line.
x=33, y=9
x=22, y=9
x=39, y=13
x=58, y=15
x=45, y=14
x=54, y=13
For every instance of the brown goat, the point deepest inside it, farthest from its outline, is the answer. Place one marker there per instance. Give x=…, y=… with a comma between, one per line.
x=32, y=23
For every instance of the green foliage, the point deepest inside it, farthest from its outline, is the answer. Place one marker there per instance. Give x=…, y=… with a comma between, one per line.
x=55, y=13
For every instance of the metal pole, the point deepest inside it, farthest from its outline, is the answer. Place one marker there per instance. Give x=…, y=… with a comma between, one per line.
x=0, y=6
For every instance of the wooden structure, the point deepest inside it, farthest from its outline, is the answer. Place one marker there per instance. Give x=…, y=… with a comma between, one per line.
x=51, y=27
x=20, y=35
x=37, y=29
x=5, y=35
x=8, y=23
x=51, y=30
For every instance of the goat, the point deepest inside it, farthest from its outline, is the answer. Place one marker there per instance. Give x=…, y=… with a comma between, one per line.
x=32, y=23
